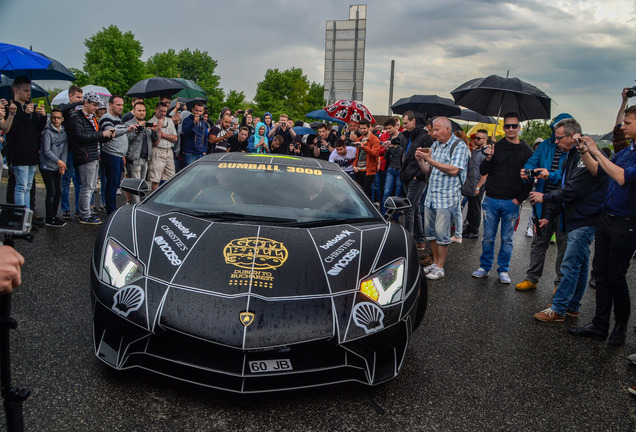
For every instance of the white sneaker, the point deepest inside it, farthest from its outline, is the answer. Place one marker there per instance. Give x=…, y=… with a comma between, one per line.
x=504, y=278
x=530, y=232
x=429, y=268
x=436, y=273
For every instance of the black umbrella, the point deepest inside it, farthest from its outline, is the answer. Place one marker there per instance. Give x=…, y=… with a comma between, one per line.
x=608, y=136
x=472, y=116
x=429, y=105
x=455, y=127
x=495, y=95
x=154, y=87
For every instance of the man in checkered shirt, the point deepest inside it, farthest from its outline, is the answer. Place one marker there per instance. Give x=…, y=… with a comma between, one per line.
x=446, y=160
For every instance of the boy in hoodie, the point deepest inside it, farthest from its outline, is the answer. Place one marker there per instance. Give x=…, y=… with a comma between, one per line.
x=549, y=156
x=505, y=191
x=53, y=153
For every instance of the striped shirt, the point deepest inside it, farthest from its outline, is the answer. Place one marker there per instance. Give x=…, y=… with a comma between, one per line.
x=444, y=190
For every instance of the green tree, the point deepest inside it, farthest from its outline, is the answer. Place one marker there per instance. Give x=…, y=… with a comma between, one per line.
x=163, y=64
x=287, y=91
x=113, y=60
x=536, y=129
x=235, y=100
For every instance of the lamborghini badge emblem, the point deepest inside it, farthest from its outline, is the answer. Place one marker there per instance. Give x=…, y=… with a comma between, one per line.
x=246, y=318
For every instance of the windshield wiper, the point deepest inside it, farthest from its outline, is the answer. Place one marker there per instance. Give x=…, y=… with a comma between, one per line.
x=240, y=216
x=338, y=221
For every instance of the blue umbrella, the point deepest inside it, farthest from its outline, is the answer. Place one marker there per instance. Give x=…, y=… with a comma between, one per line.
x=321, y=114
x=14, y=58
x=5, y=92
x=301, y=130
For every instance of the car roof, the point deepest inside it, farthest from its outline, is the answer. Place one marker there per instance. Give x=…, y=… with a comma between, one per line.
x=284, y=160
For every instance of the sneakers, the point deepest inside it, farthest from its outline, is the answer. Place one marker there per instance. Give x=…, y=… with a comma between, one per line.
x=480, y=273
x=529, y=232
x=66, y=215
x=94, y=211
x=93, y=220
x=436, y=273
x=455, y=239
x=102, y=208
x=55, y=222
x=548, y=315
x=632, y=390
x=573, y=314
x=504, y=278
x=429, y=268
x=526, y=285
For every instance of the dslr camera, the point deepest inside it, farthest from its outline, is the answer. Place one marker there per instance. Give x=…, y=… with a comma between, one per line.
x=530, y=173
x=631, y=92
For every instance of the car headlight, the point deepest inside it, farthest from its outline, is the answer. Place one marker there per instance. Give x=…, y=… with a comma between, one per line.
x=385, y=285
x=120, y=267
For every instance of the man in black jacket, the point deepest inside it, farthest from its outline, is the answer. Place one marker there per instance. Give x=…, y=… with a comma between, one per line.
x=85, y=139
x=414, y=180
x=579, y=197
x=505, y=191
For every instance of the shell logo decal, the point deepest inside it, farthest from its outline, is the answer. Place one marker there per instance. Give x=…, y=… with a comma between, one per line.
x=256, y=253
x=127, y=300
x=368, y=316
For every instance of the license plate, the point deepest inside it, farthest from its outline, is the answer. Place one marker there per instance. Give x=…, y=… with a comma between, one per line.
x=260, y=366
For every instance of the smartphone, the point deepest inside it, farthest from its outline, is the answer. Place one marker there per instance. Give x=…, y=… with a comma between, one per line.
x=40, y=104
x=149, y=124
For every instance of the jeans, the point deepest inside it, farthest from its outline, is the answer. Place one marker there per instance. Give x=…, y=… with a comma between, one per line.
x=458, y=220
x=112, y=166
x=24, y=175
x=613, y=251
x=103, y=181
x=495, y=211
x=189, y=158
x=88, y=173
x=413, y=216
x=71, y=174
x=53, y=183
x=438, y=224
x=392, y=186
x=574, y=268
x=378, y=186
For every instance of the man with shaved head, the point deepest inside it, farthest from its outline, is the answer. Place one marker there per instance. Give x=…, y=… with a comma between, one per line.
x=446, y=160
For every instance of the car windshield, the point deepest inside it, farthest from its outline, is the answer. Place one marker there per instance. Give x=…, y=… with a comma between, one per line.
x=265, y=192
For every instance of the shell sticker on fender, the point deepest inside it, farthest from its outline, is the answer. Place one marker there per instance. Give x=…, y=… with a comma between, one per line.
x=254, y=252
x=368, y=316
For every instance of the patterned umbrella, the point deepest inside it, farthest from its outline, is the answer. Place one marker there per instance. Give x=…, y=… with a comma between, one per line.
x=347, y=111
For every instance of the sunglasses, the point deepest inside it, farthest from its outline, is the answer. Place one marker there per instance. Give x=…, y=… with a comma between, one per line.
x=511, y=126
x=560, y=137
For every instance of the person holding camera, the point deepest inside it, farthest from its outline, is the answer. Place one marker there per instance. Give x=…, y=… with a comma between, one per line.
x=195, y=135
x=282, y=128
x=615, y=239
x=393, y=150
x=114, y=151
x=549, y=156
x=140, y=144
x=578, y=197
x=85, y=138
x=164, y=136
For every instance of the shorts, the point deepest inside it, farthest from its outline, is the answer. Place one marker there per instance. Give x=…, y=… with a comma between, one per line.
x=161, y=165
x=438, y=224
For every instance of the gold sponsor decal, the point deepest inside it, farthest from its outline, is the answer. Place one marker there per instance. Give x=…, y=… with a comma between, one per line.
x=246, y=318
x=255, y=253
x=260, y=279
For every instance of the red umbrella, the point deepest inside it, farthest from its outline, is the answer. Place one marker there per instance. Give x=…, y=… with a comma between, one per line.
x=347, y=111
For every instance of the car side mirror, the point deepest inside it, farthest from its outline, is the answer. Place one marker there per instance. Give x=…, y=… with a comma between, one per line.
x=395, y=204
x=135, y=186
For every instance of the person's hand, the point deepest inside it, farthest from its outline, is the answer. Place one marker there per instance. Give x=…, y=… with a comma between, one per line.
x=425, y=153
x=30, y=107
x=13, y=108
x=10, y=263
x=61, y=165
x=541, y=173
x=536, y=197
x=489, y=151
x=132, y=128
x=39, y=109
x=4, y=102
x=543, y=223
x=176, y=117
x=523, y=174
x=108, y=133
x=588, y=144
x=624, y=93
x=516, y=202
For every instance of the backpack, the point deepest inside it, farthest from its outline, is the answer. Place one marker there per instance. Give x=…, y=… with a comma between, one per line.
x=469, y=187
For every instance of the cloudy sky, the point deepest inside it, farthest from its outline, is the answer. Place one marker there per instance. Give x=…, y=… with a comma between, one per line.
x=579, y=52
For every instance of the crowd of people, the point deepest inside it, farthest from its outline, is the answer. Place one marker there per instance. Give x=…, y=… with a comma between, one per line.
x=578, y=194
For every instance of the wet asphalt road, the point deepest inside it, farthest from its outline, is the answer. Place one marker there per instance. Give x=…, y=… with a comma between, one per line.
x=478, y=362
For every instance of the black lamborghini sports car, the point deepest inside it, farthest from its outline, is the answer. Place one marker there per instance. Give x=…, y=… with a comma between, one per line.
x=254, y=273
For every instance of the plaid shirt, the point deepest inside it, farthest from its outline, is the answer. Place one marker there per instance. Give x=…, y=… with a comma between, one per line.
x=444, y=190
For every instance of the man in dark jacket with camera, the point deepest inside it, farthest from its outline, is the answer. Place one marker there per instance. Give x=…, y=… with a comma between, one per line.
x=85, y=147
x=413, y=179
x=579, y=197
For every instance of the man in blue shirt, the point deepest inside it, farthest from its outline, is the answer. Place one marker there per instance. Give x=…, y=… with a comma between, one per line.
x=616, y=234
x=195, y=135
